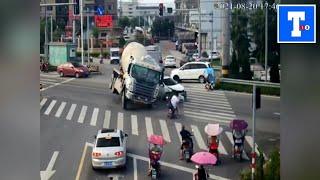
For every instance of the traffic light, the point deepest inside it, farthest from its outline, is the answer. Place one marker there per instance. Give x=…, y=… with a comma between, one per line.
x=76, y=7
x=161, y=9
x=169, y=10
x=258, y=97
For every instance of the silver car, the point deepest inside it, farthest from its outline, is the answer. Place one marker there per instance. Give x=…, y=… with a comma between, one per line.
x=109, y=150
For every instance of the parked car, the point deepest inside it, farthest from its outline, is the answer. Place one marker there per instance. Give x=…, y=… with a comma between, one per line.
x=170, y=86
x=214, y=55
x=73, y=69
x=109, y=149
x=170, y=61
x=190, y=71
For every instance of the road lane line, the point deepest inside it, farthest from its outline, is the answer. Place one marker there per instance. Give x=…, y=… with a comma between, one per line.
x=249, y=139
x=277, y=113
x=209, y=101
x=210, y=110
x=51, y=105
x=107, y=116
x=208, y=107
x=134, y=125
x=81, y=161
x=43, y=101
x=120, y=121
x=201, y=103
x=82, y=114
x=71, y=111
x=57, y=84
x=53, y=160
x=60, y=110
x=178, y=128
x=213, y=113
x=94, y=117
x=174, y=166
x=135, y=171
x=207, y=119
x=165, y=131
x=199, y=138
x=149, y=126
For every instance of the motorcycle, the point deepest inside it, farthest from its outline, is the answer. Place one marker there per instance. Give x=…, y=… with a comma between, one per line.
x=156, y=143
x=210, y=84
x=187, y=150
x=239, y=129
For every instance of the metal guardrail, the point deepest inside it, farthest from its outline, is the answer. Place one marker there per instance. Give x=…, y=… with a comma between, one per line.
x=248, y=82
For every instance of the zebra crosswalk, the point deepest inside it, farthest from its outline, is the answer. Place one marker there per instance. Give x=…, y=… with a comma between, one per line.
x=84, y=114
x=209, y=106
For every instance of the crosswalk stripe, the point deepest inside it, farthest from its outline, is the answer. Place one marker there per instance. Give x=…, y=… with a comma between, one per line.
x=209, y=101
x=106, y=121
x=60, y=110
x=149, y=126
x=249, y=139
x=212, y=109
x=209, y=98
x=134, y=125
x=199, y=138
x=43, y=101
x=206, y=107
x=82, y=114
x=46, y=79
x=205, y=93
x=120, y=121
x=46, y=82
x=94, y=117
x=207, y=119
x=165, y=131
x=222, y=149
x=178, y=128
x=209, y=105
x=213, y=113
x=71, y=111
x=51, y=105
x=208, y=115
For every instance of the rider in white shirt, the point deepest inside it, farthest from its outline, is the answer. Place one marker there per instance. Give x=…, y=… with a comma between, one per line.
x=174, y=101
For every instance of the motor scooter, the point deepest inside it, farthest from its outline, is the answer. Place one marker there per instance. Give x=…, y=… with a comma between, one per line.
x=239, y=129
x=187, y=150
x=156, y=143
x=213, y=131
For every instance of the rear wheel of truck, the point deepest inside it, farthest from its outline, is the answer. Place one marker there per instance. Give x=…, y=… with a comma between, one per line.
x=124, y=99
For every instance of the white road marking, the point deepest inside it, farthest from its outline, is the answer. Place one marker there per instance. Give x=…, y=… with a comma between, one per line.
x=120, y=121
x=165, y=131
x=249, y=139
x=198, y=137
x=43, y=101
x=149, y=126
x=178, y=128
x=57, y=84
x=60, y=110
x=208, y=102
x=71, y=111
x=94, y=117
x=221, y=148
x=226, y=117
x=82, y=114
x=46, y=175
x=209, y=105
x=107, y=116
x=82, y=159
x=135, y=171
x=207, y=119
x=46, y=82
x=174, y=166
x=51, y=105
x=210, y=110
x=134, y=125
x=277, y=113
x=213, y=112
x=206, y=95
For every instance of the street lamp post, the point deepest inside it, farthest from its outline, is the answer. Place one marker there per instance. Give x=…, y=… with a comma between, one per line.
x=81, y=27
x=266, y=45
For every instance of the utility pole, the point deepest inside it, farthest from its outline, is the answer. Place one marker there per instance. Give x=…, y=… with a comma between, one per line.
x=81, y=27
x=266, y=45
x=212, y=32
x=253, y=160
x=73, y=30
x=46, y=35
x=225, y=41
x=88, y=33
x=51, y=27
x=144, y=29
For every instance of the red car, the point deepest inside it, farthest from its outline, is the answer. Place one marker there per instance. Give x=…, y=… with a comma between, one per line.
x=73, y=69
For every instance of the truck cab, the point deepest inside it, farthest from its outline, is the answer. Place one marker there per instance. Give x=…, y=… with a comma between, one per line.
x=114, y=55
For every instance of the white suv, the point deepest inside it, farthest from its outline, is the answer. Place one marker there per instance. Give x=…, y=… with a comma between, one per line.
x=190, y=71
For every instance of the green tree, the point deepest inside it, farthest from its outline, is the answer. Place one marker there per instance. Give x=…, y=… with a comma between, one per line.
x=162, y=27
x=95, y=32
x=123, y=22
x=240, y=41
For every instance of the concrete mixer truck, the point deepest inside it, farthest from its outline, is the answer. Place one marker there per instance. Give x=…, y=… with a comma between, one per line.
x=138, y=78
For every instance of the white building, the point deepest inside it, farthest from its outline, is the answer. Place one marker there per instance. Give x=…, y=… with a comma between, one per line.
x=128, y=8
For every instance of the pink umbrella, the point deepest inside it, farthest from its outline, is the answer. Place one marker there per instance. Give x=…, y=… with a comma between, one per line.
x=213, y=129
x=204, y=158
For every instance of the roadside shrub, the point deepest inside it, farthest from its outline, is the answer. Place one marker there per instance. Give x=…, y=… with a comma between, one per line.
x=247, y=88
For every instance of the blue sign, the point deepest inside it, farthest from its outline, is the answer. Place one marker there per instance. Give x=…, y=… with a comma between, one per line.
x=296, y=23
x=100, y=10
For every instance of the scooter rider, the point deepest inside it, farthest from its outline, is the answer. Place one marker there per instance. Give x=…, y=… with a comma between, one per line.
x=173, y=104
x=185, y=136
x=209, y=73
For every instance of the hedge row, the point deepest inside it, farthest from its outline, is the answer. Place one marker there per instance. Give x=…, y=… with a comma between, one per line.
x=95, y=54
x=247, y=88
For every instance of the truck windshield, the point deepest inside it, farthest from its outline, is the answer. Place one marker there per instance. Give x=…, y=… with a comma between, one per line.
x=144, y=74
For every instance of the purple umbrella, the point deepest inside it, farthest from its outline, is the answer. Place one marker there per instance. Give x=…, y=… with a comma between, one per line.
x=238, y=124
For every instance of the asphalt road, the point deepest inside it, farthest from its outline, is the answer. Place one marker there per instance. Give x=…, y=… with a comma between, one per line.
x=69, y=107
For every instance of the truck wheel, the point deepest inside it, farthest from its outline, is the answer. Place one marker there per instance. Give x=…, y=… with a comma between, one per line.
x=124, y=99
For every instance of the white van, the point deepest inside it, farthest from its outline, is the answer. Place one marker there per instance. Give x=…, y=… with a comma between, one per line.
x=190, y=71
x=114, y=55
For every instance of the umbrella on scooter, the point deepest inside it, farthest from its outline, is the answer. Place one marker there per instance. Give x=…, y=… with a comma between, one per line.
x=213, y=129
x=204, y=158
x=238, y=124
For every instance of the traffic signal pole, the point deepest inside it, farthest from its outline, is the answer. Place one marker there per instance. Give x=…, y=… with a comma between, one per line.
x=81, y=27
x=253, y=155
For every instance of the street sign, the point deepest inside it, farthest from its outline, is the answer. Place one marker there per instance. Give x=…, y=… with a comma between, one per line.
x=103, y=21
x=100, y=10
